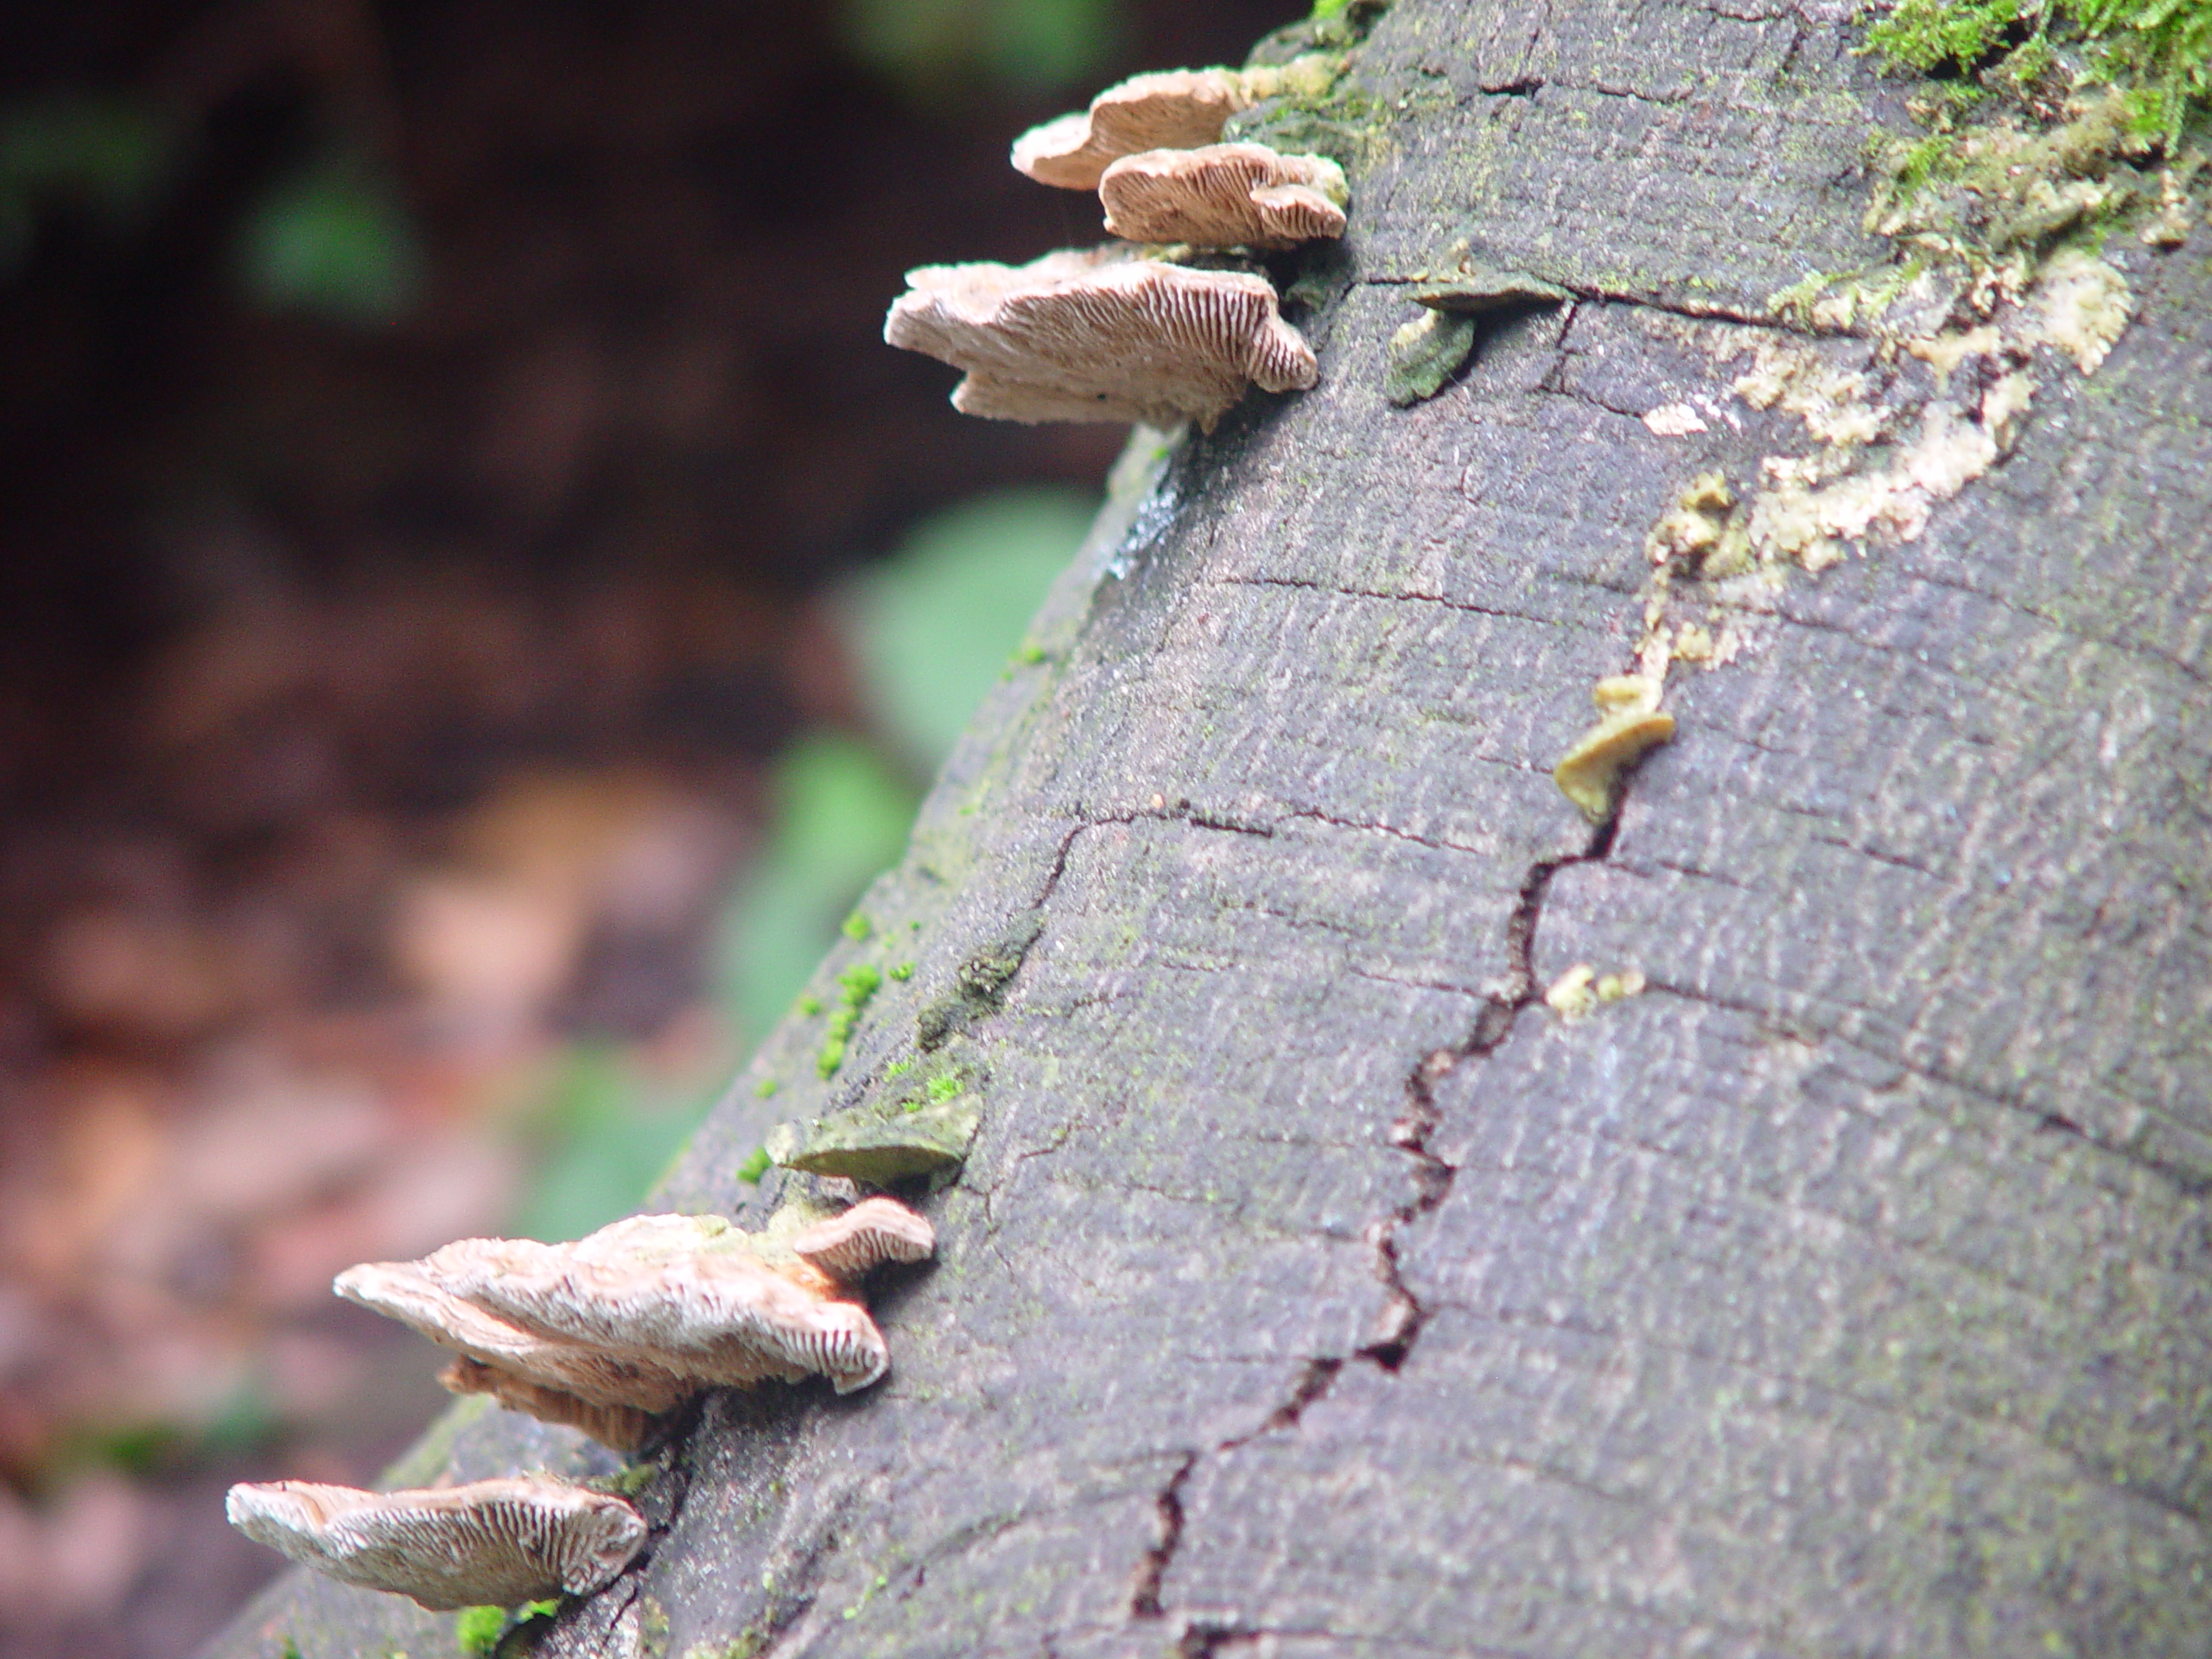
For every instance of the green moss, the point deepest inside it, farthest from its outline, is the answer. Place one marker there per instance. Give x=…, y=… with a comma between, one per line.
x=903, y=971
x=754, y=1167
x=2157, y=53
x=477, y=1629
x=857, y=926
x=809, y=1004
x=857, y=985
x=766, y=1088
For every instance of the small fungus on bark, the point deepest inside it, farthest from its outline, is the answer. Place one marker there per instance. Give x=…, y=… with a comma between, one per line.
x=1168, y=109
x=871, y=1232
x=627, y=1428
x=490, y=1542
x=1173, y=109
x=1630, y=722
x=686, y=1294
x=609, y=1332
x=1223, y=196
x=1100, y=336
x=551, y=1379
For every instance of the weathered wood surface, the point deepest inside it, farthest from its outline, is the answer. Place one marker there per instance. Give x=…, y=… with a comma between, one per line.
x=1311, y=1290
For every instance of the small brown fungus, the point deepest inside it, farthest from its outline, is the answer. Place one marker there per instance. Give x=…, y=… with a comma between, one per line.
x=1630, y=722
x=1224, y=195
x=1100, y=336
x=871, y=1232
x=491, y=1542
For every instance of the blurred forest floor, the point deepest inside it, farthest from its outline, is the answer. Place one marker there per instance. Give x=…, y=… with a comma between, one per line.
x=450, y=683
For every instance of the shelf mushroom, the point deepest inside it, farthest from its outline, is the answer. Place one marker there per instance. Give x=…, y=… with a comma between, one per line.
x=1171, y=109
x=850, y=1245
x=1225, y=196
x=490, y=1542
x=1100, y=335
x=1167, y=109
x=609, y=1333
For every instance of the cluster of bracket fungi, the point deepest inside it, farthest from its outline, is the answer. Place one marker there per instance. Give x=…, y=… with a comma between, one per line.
x=608, y=1334
x=1129, y=331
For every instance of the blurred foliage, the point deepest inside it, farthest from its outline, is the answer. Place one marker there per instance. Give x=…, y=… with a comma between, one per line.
x=930, y=47
x=332, y=238
x=608, y=1130
x=99, y=155
x=934, y=625
x=842, y=814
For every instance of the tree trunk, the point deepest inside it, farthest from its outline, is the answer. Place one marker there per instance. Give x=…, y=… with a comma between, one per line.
x=1313, y=1285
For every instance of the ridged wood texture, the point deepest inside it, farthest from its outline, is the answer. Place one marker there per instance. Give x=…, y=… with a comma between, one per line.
x=1847, y=1292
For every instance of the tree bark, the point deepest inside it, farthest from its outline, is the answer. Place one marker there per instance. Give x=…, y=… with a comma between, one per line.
x=1313, y=1288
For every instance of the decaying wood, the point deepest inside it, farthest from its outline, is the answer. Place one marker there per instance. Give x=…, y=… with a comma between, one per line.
x=1311, y=1287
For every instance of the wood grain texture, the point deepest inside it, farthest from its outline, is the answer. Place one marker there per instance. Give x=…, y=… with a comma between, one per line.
x=1311, y=1290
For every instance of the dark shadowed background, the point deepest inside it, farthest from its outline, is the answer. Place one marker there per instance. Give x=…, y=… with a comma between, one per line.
x=477, y=601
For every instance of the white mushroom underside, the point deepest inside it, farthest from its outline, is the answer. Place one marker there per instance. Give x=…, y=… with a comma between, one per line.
x=1223, y=195
x=496, y=1542
x=1100, y=337
x=402, y=1291
x=714, y=1313
x=871, y=1232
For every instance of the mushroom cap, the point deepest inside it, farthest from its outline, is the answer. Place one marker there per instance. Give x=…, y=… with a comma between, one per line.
x=596, y=1377
x=1172, y=109
x=624, y=1428
x=671, y=1292
x=1588, y=771
x=1100, y=336
x=495, y=1543
x=871, y=1232
x=1223, y=195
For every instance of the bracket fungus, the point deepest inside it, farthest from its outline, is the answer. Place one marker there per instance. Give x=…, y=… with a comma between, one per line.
x=880, y=1142
x=1172, y=109
x=1630, y=722
x=873, y=1232
x=1100, y=336
x=608, y=1332
x=497, y=1542
x=1224, y=195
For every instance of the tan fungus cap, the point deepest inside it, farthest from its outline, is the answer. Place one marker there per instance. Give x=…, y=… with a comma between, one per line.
x=491, y=1542
x=1100, y=336
x=1223, y=196
x=1172, y=109
x=871, y=1232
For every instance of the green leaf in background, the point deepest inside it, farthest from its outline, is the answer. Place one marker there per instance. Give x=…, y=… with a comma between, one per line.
x=103, y=152
x=841, y=816
x=934, y=625
x=96, y=153
x=929, y=47
x=334, y=239
x=609, y=1132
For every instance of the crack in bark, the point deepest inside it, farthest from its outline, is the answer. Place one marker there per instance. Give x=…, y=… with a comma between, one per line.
x=1694, y=311
x=1144, y=1594
x=1405, y=1316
